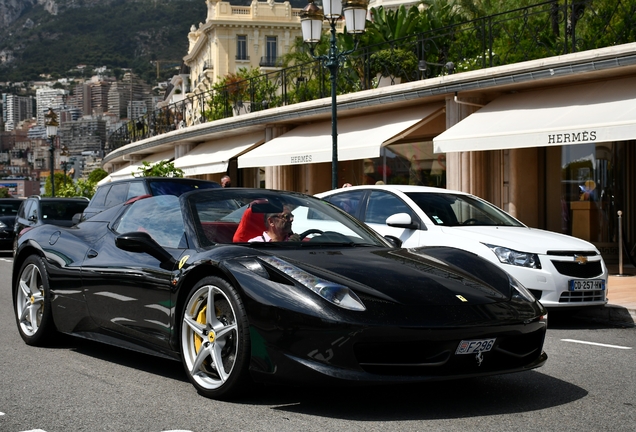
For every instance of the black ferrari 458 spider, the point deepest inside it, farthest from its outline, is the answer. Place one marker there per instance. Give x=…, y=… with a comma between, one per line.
x=246, y=285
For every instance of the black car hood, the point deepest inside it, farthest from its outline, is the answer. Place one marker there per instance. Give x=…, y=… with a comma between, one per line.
x=419, y=276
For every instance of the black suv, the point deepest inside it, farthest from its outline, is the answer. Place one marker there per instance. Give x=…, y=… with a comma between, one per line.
x=35, y=211
x=8, y=211
x=120, y=191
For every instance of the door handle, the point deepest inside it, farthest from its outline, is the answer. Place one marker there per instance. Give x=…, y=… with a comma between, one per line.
x=92, y=253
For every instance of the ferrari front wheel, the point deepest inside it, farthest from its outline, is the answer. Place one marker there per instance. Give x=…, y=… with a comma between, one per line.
x=33, y=302
x=215, y=343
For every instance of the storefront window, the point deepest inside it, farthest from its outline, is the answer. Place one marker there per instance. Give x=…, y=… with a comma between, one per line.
x=409, y=164
x=587, y=191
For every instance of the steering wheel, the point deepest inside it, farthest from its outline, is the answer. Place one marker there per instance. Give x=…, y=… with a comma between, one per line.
x=309, y=231
x=470, y=221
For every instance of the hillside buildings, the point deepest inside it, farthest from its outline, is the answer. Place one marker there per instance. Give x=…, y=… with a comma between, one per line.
x=87, y=112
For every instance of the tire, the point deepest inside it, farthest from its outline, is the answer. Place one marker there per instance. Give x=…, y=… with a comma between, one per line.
x=208, y=340
x=32, y=304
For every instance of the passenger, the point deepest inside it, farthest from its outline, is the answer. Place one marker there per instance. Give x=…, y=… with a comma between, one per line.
x=278, y=228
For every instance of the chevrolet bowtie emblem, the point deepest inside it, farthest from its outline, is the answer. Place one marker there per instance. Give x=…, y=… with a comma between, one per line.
x=580, y=259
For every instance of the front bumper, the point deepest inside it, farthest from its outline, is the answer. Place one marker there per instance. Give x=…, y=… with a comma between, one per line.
x=550, y=284
x=376, y=353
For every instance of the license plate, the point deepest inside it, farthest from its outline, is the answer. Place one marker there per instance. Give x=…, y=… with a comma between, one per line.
x=475, y=346
x=587, y=285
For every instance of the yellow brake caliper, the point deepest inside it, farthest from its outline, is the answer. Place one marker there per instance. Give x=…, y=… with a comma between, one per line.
x=198, y=340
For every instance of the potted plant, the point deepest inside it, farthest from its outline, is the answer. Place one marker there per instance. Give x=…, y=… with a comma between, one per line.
x=393, y=65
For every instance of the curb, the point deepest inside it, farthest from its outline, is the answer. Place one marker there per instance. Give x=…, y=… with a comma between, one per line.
x=610, y=313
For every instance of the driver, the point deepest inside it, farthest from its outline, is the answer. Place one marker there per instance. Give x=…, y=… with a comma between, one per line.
x=278, y=228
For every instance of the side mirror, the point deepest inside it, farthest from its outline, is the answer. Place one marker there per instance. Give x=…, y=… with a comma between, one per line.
x=393, y=240
x=401, y=220
x=139, y=241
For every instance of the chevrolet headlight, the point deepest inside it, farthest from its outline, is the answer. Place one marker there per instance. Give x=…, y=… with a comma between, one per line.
x=335, y=293
x=516, y=258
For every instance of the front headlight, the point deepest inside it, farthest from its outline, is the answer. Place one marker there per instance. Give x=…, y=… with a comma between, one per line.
x=3, y=225
x=335, y=293
x=520, y=291
x=516, y=258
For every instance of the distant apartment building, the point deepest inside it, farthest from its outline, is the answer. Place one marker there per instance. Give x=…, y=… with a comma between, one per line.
x=80, y=98
x=16, y=109
x=21, y=159
x=99, y=97
x=124, y=95
x=84, y=135
x=49, y=98
x=91, y=97
x=20, y=188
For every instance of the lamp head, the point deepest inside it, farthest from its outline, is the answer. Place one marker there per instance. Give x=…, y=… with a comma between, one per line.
x=332, y=9
x=51, y=123
x=355, y=12
x=311, y=18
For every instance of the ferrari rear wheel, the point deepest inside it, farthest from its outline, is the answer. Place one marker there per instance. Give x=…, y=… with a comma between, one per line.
x=33, y=303
x=215, y=343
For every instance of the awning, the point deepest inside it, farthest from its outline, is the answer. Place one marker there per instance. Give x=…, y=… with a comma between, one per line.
x=214, y=157
x=578, y=114
x=358, y=138
x=133, y=167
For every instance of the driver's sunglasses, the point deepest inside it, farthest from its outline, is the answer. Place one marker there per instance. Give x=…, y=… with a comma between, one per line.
x=286, y=216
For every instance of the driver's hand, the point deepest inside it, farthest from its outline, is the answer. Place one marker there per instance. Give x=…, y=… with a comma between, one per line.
x=294, y=237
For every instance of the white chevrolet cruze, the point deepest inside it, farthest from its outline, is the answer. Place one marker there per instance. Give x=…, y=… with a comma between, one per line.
x=560, y=270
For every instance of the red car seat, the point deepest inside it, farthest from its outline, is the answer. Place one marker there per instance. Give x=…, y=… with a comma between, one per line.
x=251, y=225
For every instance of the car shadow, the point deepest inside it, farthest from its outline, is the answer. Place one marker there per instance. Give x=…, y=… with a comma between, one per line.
x=476, y=397
x=168, y=368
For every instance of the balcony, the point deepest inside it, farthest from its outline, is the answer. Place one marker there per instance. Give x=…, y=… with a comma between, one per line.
x=270, y=62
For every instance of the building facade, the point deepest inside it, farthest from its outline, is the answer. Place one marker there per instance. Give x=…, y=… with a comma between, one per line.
x=49, y=98
x=20, y=188
x=240, y=35
x=16, y=109
x=87, y=134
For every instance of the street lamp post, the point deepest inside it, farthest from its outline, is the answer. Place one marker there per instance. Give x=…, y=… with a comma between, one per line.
x=311, y=19
x=51, y=131
x=64, y=161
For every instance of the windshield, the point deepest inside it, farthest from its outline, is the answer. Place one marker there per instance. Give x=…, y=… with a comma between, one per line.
x=60, y=210
x=460, y=210
x=10, y=207
x=258, y=217
x=178, y=187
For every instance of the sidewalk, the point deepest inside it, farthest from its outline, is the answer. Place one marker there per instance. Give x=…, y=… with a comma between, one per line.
x=621, y=296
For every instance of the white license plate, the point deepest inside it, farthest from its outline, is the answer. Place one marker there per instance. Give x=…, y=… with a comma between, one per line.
x=475, y=346
x=586, y=285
